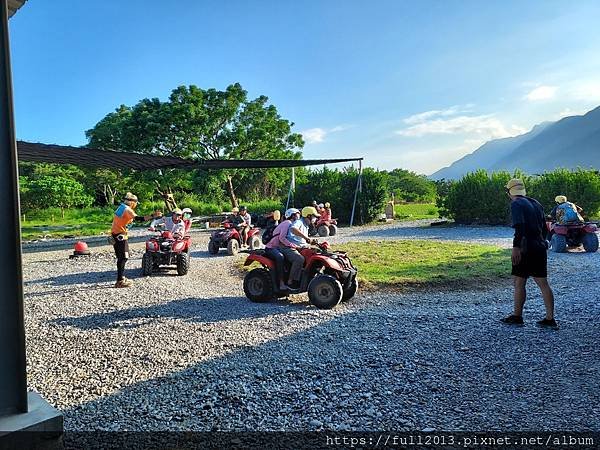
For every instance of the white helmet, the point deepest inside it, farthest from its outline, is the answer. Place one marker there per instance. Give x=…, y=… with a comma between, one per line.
x=290, y=212
x=186, y=210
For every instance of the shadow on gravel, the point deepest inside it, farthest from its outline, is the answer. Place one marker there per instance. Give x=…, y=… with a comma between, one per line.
x=85, y=278
x=375, y=368
x=196, y=310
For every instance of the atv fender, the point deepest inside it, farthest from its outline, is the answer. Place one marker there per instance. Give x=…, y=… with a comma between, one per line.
x=263, y=260
x=326, y=262
x=590, y=228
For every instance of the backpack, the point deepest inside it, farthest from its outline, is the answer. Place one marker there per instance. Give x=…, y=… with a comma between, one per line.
x=268, y=234
x=567, y=212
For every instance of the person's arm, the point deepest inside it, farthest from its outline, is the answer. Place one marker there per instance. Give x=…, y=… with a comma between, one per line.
x=283, y=237
x=518, y=221
x=299, y=233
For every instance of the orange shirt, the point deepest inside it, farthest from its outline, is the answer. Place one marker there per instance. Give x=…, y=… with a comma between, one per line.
x=123, y=216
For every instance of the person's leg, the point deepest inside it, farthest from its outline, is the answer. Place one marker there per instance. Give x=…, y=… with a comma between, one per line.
x=520, y=295
x=297, y=261
x=547, y=295
x=279, y=259
x=120, y=254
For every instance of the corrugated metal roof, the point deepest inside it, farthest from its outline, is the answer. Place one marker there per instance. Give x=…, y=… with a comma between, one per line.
x=13, y=5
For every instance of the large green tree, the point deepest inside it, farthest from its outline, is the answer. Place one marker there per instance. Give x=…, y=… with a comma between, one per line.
x=204, y=124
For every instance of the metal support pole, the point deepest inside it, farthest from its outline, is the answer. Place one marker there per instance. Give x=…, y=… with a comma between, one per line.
x=356, y=191
x=292, y=188
x=13, y=378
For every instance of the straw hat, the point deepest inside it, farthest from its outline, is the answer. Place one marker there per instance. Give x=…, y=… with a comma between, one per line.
x=516, y=187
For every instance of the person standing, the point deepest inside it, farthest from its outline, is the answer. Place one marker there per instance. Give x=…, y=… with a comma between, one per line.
x=124, y=216
x=529, y=253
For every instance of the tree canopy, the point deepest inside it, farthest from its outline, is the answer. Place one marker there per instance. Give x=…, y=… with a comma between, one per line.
x=196, y=123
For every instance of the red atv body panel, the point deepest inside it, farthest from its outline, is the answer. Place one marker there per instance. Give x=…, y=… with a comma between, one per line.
x=266, y=262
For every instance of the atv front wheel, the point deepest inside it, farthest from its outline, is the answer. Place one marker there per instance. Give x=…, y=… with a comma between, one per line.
x=332, y=230
x=254, y=243
x=258, y=285
x=323, y=230
x=213, y=247
x=324, y=291
x=233, y=247
x=351, y=290
x=183, y=263
x=590, y=242
x=558, y=243
x=147, y=264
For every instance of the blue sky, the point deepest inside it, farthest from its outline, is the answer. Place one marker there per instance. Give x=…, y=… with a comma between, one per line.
x=405, y=84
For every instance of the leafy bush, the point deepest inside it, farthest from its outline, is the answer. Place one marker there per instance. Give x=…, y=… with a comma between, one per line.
x=478, y=198
x=481, y=198
x=58, y=191
x=407, y=186
x=338, y=187
x=580, y=186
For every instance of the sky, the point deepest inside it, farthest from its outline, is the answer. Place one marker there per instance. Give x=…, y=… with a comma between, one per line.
x=404, y=84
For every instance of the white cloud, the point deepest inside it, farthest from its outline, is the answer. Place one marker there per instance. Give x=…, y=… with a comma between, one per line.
x=452, y=111
x=541, y=93
x=317, y=135
x=486, y=126
x=314, y=135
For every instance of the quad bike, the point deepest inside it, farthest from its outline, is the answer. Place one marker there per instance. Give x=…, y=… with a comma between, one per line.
x=572, y=235
x=230, y=238
x=166, y=249
x=323, y=228
x=328, y=277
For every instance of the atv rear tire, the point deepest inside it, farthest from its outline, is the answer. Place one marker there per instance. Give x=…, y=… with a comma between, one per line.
x=258, y=285
x=332, y=230
x=213, y=247
x=324, y=291
x=350, y=291
x=147, y=264
x=558, y=243
x=323, y=230
x=254, y=243
x=590, y=242
x=183, y=263
x=233, y=247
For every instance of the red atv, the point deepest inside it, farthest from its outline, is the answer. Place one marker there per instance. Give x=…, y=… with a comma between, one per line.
x=166, y=249
x=230, y=238
x=572, y=235
x=325, y=228
x=328, y=277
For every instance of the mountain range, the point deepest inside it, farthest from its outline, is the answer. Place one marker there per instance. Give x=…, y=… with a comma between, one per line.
x=570, y=142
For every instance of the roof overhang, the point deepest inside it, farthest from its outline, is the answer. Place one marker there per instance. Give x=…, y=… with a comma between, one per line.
x=14, y=5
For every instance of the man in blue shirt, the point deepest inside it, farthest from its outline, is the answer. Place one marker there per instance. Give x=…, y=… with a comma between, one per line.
x=529, y=253
x=298, y=238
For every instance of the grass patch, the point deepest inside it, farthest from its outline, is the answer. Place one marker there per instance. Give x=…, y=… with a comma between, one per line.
x=414, y=211
x=398, y=264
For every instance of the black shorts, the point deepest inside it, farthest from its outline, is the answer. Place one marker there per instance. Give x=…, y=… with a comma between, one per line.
x=533, y=264
x=121, y=248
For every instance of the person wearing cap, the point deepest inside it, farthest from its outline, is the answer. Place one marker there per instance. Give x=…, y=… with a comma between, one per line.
x=279, y=241
x=565, y=212
x=174, y=223
x=124, y=216
x=297, y=237
x=529, y=253
x=325, y=212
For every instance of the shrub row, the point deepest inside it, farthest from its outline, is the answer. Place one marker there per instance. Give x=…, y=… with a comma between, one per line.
x=480, y=197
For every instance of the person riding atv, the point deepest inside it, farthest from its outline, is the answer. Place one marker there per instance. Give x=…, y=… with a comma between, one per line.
x=566, y=212
x=174, y=223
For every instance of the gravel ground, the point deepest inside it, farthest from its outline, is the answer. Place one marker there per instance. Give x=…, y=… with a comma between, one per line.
x=191, y=353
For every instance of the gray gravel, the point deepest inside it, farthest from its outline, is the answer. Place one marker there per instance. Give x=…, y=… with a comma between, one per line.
x=191, y=353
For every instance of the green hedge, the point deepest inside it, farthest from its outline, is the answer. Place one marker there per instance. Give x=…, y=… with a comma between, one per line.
x=480, y=197
x=338, y=186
